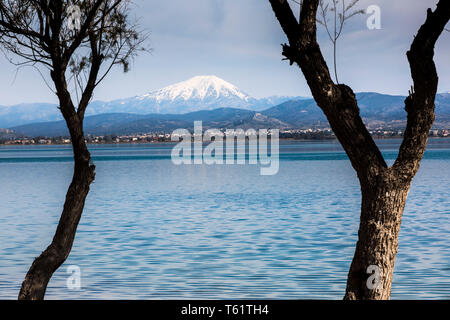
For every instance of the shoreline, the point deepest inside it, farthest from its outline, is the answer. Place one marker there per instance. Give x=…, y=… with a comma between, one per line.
x=175, y=142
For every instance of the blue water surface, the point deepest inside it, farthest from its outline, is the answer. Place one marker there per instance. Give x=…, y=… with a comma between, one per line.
x=154, y=230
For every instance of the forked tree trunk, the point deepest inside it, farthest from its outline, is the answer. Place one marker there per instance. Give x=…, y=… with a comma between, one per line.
x=43, y=267
x=372, y=268
x=384, y=190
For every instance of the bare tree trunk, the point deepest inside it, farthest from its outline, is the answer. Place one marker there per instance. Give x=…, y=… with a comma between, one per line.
x=335, y=42
x=383, y=202
x=384, y=189
x=43, y=267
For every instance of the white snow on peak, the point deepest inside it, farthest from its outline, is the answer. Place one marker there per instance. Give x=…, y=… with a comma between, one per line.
x=199, y=87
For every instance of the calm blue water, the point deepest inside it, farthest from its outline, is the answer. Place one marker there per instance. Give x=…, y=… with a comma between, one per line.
x=153, y=230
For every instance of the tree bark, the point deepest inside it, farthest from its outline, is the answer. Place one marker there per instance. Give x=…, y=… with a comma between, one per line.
x=43, y=267
x=384, y=189
x=383, y=202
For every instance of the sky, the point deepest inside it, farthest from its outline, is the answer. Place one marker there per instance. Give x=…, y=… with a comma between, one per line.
x=240, y=41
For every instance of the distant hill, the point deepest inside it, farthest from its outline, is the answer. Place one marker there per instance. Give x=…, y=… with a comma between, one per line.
x=125, y=123
x=28, y=113
x=373, y=107
x=298, y=113
x=377, y=110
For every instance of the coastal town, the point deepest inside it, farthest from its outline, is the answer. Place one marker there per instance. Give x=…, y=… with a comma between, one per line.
x=9, y=138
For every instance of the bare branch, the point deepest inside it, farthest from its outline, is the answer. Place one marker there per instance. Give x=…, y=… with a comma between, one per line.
x=341, y=14
x=420, y=102
x=340, y=17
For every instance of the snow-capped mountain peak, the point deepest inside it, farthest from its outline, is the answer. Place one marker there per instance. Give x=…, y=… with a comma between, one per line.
x=197, y=88
x=196, y=94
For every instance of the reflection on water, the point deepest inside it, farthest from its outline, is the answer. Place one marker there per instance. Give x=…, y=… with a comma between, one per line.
x=154, y=230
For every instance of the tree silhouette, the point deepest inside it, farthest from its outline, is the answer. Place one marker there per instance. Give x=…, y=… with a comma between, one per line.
x=384, y=189
x=78, y=43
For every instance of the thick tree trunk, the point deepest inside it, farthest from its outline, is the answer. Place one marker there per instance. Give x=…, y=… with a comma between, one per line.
x=43, y=267
x=384, y=190
x=372, y=268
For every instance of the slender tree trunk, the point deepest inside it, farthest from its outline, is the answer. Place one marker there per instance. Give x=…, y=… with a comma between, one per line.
x=335, y=42
x=372, y=268
x=43, y=267
x=335, y=63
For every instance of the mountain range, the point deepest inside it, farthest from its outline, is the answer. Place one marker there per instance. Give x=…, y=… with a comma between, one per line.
x=196, y=94
x=214, y=101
